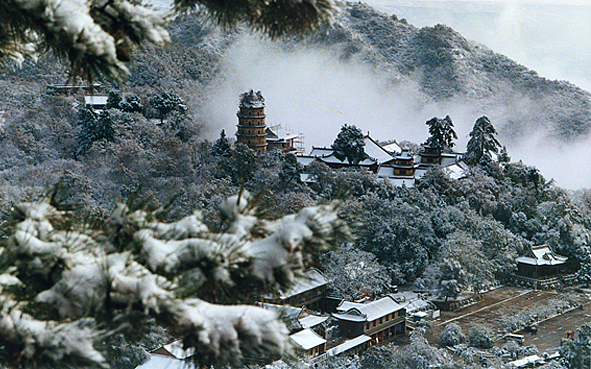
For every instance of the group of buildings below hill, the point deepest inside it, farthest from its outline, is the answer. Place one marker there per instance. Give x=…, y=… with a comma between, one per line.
x=387, y=161
x=325, y=327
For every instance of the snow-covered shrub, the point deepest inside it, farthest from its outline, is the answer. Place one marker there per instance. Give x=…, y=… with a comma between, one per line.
x=452, y=335
x=481, y=337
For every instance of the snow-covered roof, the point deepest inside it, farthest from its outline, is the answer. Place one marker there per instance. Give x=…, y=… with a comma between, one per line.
x=289, y=311
x=449, y=158
x=526, y=361
x=321, y=151
x=312, y=320
x=163, y=362
x=385, y=172
x=306, y=178
x=542, y=255
x=392, y=147
x=305, y=159
x=374, y=150
x=348, y=345
x=455, y=171
x=417, y=305
x=311, y=280
x=369, y=311
x=176, y=349
x=331, y=159
x=307, y=339
x=95, y=100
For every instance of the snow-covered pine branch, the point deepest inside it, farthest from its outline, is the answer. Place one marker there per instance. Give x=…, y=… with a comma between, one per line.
x=98, y=36
x=62, y=278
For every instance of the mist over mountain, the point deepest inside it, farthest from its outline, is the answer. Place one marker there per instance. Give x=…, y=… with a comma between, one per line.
x=389, y=77
x=370, y=69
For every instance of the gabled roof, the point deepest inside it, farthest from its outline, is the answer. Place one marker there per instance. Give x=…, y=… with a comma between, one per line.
x=307, y=339
x=456, y=171
x=348, y=345
x=311, y=280
x=331, y=159
x=367, y=312
x=392, y=147
x=321, y=151
x=285, y=310
x=374, y=150
x=95, y=100
x=541, y=255
x=312, y=321
x=305, y=159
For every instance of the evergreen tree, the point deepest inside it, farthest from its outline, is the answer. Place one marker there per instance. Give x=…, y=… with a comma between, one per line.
x=222, y=146
x=452, y=279
x=504, y=156
x=87, y=120
x=241, y=165
x=452, y=335
x=105, y=127
x=94, y=129
x=481, y=337
x=167, y=102
x=113, y=100
x=289, y=174
x=132, y=104
x=576, y=352
x=442, y=133
x=350, y=145
x=482, y=141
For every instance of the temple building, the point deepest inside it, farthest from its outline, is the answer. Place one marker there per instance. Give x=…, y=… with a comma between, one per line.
x=542, y=268
x=253, y=132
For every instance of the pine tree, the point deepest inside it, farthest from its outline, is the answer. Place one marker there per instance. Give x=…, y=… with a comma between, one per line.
x=167, y=102
x=105, y=127
x=350, y=145
x=222, y=146
x=132, y=104
x=442, y=133
x=113, y=100
x=290, y=173
x=87, y=120
x=482, y=140
x=94, y=129
x=98, y=37
x=504, y=156
x=67, y=285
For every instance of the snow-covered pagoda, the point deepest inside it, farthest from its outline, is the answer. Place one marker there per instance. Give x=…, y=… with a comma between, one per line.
x=252, y=130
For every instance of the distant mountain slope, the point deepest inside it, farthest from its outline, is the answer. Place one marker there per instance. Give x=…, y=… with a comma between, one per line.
x=442, y=66
x=449, y=67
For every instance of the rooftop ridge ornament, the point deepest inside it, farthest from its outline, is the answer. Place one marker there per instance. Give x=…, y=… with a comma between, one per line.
x=252, y=100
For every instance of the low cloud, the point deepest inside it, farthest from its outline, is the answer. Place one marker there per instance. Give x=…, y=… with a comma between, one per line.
x=312, y=92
